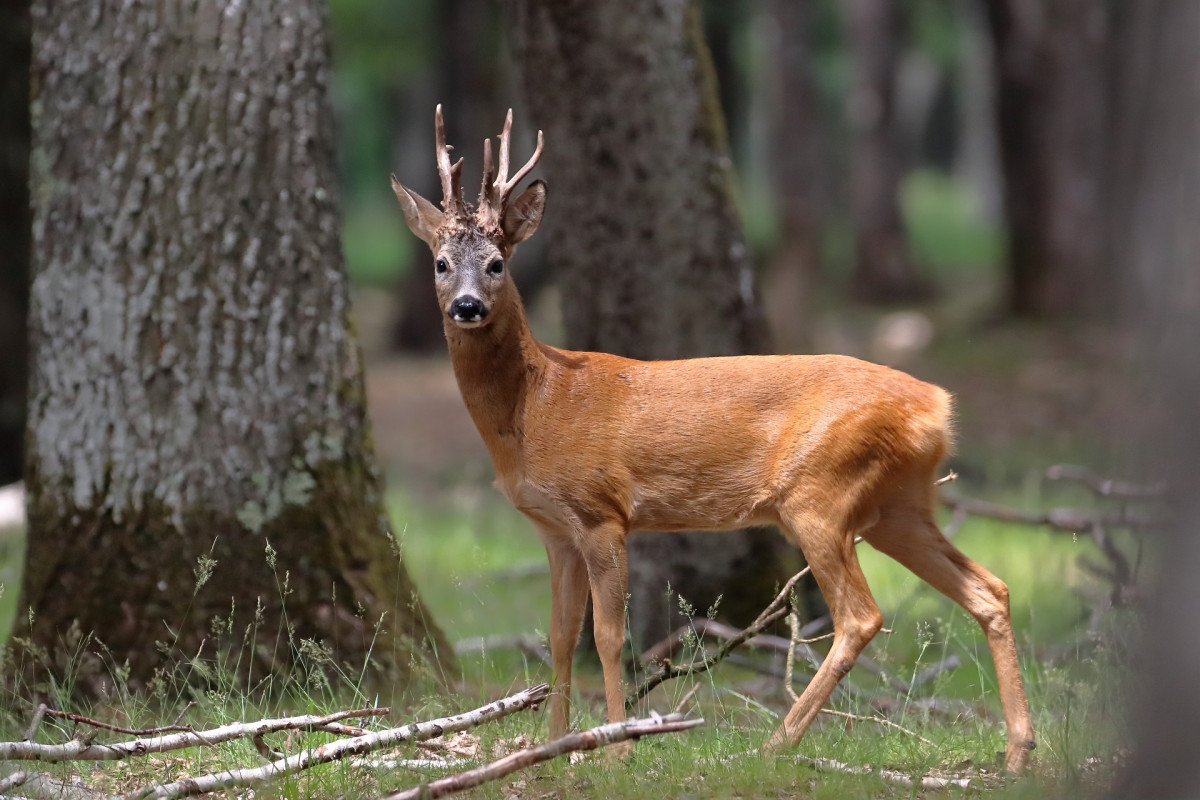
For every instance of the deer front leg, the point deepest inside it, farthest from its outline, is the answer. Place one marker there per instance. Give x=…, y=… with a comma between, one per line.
x=568, y=599
x=608, y=575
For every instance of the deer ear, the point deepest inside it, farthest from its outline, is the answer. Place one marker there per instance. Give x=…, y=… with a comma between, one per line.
x=422, y=216
x=524, y=214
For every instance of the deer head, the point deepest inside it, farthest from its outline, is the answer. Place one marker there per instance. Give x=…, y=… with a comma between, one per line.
x=471, y=246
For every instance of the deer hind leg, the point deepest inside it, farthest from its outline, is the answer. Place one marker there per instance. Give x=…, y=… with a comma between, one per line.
x=568, y=599
x=829, y=550
x=907, y=533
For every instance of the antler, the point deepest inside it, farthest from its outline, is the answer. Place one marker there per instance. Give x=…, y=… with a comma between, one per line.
x=450, y=175
x=496, y=190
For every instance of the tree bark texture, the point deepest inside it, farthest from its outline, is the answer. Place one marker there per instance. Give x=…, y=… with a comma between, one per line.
x=883, y=270
x=644, y=232
x=1156, y=242
x=1052, y=96
x=197, y=392
x=14, y=231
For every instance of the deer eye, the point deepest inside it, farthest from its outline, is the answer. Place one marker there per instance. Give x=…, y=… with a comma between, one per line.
x=440, y=266
x=496, y=267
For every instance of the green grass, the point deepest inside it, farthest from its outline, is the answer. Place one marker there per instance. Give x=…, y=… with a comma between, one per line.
x=461, y=552
x=1074, y=692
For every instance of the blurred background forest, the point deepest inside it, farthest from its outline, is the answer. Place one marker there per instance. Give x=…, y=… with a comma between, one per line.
x=981, y=193
x=922, y=184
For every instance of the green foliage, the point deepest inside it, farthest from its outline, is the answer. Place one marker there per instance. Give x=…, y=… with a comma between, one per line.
x=948, y=232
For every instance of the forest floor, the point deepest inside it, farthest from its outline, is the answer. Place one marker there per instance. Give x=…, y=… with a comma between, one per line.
x=1026, y=399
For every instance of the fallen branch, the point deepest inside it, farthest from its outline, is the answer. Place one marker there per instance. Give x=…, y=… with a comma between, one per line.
x=600, y=736
x=1066, y=520
x=878, y=721
x=1106, y=487
x=774, y=610
x=82, y=750
x=41, y=785
x=703, y=626
x=345, y=748
x=44, y=711
x=890, y=775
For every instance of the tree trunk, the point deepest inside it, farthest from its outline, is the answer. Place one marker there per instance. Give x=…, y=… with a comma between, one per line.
x=1052, y=92
x=200, y=474
x=883, y=269
x=14, y=231
x=795, y=160
x=1156, y=243
x=646, y=238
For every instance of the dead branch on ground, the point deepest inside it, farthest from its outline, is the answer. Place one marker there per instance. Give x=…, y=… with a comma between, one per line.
x=79, y=750
x=774, y=610
x=600, y=736
x=889, y=775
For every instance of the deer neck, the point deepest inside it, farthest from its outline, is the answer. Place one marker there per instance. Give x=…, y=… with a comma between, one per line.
x=497, y=368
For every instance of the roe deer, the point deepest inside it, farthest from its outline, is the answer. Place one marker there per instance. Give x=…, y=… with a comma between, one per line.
x=590, y=446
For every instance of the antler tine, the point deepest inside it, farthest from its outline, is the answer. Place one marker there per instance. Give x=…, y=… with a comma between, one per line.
x=486, y=189
x=509, y=185
x=505, y=143
x=449, y=174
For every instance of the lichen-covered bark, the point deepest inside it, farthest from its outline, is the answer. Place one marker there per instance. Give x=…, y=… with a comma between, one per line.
x=644, y=234
x=196, y=390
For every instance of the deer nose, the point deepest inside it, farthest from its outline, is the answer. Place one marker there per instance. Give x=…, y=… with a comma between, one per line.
x=468, y=309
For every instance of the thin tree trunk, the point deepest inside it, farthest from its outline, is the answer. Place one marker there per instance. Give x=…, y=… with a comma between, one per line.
x=14, y=231
x=1156, y=246
x=795, y=170
x=197, y=395
x=644, y=233
x=1052, y=90
x=883, y=269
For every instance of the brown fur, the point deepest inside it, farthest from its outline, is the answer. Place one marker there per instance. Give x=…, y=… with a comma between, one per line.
x=590, y=446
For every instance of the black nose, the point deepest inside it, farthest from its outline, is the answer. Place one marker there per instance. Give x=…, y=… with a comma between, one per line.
x=468, y=308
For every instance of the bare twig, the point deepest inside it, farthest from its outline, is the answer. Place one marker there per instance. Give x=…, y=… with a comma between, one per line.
x=892, y=776
x=38, y=714
x=776, y=609
x=600, y=736
x=183, y=711
x=950, y=476
x=687, y=698
x=878, y=721
x=790, y=663
x=107, y=726
x=14, y=780
x=43, y=786
x=1068, y=520
x=77, y=750
x=343, y=749
x=1106, y=487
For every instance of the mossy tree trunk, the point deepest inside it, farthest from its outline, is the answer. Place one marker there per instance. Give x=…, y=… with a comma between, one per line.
x=197, y=392
x=643, y=231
